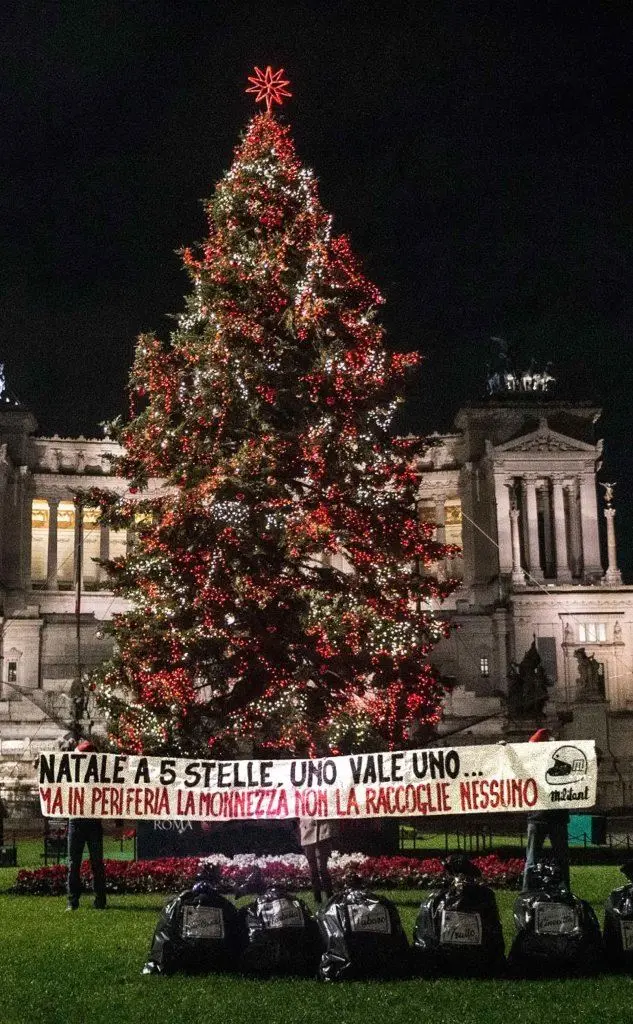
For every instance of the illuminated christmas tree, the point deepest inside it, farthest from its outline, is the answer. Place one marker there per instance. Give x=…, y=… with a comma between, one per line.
x=277, y=603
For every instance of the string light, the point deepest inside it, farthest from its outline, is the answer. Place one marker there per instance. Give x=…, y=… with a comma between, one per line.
x=273, y=584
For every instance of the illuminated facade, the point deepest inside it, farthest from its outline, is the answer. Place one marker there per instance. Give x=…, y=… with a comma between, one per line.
x=514, y=486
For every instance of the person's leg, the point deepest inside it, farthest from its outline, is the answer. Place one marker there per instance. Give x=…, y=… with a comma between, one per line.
x=536, y=832
x=75, y=851
x=560, y=848
x=95, y=849
x=323, y=851
x=311, y=854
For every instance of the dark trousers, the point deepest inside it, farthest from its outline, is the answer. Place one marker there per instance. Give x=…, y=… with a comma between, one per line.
x=85, y=832
x=317, y=855
x=537, y=833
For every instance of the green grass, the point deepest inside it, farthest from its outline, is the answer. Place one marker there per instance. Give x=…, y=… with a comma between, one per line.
x=413, y=839
x=84, y=968
x=30, y=852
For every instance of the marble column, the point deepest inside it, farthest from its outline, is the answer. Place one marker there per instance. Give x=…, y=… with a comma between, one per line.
x=504, y=537
x=543, y=498
x=532, y=523
x=78, y=544
x=589, y=521
x=613, y=576
x=104, y=550
x=574, y=528
x=563, y=572
x=51, y=557
x=440, y=531
x=518, y=576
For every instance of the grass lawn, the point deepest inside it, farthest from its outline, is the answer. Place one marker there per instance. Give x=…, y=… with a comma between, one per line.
x=419, y=840
x=30, y=852
x=84, y=968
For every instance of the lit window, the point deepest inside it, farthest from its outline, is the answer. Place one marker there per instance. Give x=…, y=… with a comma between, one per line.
x=592, y=632
x=484, y=668
x=12, y=672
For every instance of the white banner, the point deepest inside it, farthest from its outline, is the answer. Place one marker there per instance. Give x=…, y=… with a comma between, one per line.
x=448, y=780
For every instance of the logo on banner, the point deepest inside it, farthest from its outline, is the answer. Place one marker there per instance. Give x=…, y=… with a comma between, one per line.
x=568, y=764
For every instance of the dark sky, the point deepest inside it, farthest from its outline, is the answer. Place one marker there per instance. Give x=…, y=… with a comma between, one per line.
x=478, y=154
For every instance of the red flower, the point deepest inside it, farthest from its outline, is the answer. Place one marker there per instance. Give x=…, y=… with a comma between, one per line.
x=172, y=874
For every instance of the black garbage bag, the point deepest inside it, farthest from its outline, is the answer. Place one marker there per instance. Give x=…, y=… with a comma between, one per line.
x=618, y=923
x=363, y=937
x=282, y=935
x=198, y=931
x=557, y=933
x=458, y=929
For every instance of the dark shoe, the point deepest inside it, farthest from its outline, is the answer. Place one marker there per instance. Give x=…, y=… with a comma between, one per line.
x=72, y=906
x=99, y=906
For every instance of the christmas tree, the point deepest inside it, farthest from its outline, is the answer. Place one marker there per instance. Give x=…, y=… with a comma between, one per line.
x=277, y=602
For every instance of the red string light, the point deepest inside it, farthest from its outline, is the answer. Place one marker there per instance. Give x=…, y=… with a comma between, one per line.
x=267, y=415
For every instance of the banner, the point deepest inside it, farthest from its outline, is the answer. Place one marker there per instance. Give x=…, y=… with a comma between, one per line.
x=447, y=780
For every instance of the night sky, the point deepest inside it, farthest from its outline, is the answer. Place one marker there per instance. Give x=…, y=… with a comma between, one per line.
x=478, y=155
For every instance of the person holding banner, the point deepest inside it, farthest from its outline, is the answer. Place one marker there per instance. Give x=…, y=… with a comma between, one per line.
x=85, y=832
x=316, y=842
x=544, y=824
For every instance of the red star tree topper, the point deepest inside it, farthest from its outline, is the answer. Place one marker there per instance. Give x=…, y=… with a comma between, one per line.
x=274, y=583
x=269, y=87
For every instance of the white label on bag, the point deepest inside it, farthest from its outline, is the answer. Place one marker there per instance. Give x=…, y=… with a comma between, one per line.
x=626, y=931
x=202, y=923
x=555, y=919
x=369, y=919
x=460, y=929
x=282, y=914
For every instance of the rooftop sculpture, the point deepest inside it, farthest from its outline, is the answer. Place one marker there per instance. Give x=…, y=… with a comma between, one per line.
x=506, y=379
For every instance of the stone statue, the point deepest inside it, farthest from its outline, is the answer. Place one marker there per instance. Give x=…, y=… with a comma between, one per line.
x=528, y=686
x=608, y=493
x=506, y=378
x=590, y=679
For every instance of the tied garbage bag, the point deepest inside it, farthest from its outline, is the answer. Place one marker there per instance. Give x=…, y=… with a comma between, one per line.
x=198, y=931
x=618, y=923
x=363, y=937
x=458, y=929
x=282, y=935
x=557, y=933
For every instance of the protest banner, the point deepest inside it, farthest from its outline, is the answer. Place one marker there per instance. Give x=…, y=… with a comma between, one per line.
x=392, y=784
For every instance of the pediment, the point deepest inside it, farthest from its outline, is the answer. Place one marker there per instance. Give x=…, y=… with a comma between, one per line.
x=545, y=440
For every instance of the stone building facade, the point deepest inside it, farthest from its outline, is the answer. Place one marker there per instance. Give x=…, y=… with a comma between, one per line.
x=514, y=486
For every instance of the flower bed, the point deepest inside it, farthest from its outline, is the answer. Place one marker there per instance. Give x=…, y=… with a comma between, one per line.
x=172, y=874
